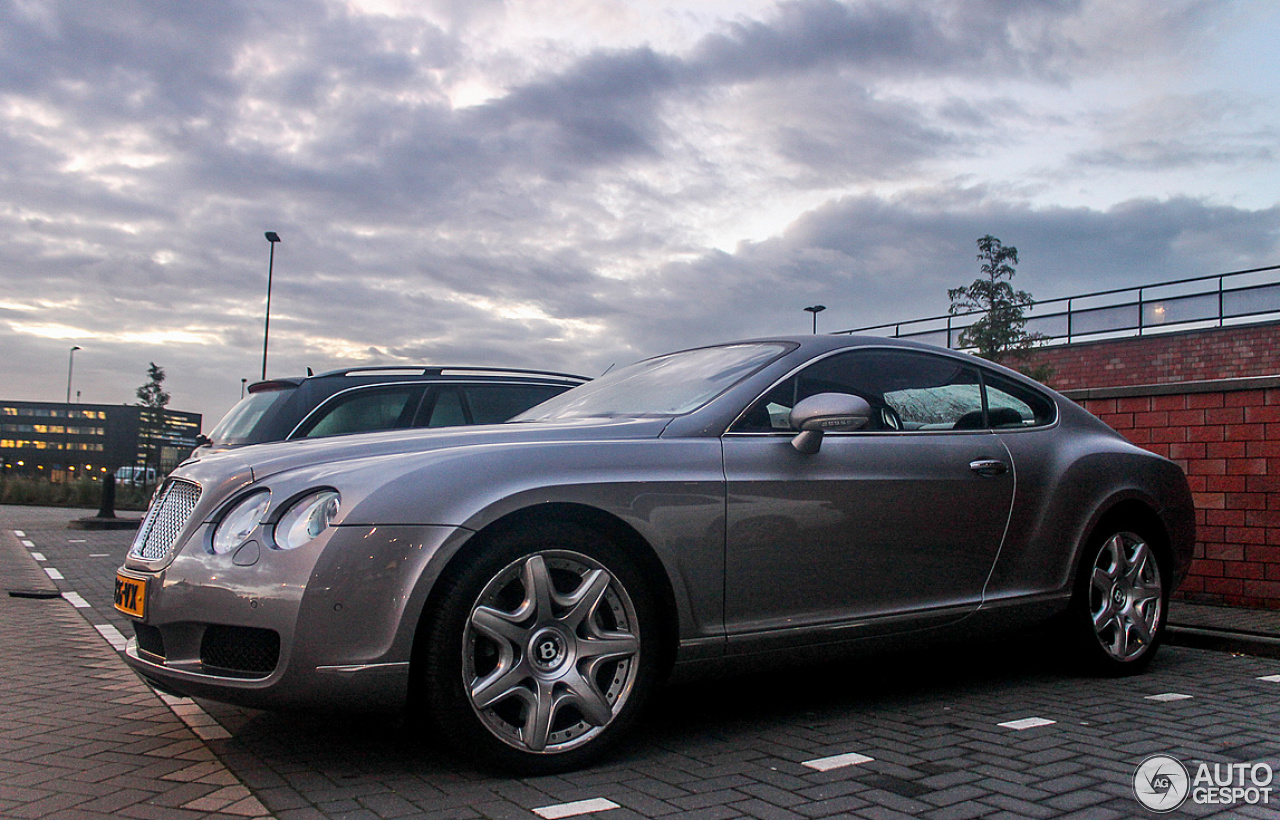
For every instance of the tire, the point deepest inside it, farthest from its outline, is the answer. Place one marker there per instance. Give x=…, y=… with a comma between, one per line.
x=540, y=651
x=1117, y=613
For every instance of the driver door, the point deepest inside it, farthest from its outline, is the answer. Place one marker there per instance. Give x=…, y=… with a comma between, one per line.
x=903, y=518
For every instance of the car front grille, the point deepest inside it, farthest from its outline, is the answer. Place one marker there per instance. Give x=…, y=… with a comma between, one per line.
x=168, y=515
x=240, y=651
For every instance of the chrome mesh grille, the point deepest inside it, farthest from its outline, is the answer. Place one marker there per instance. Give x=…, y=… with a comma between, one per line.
x=168, y=515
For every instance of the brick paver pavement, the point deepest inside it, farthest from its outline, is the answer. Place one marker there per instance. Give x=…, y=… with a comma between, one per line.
x=998, y=730
x=81, y=737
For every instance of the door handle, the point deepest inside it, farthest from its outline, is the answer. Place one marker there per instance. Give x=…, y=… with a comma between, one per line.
x=989, y=467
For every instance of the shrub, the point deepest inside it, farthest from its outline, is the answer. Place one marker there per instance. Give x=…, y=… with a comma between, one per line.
x=83, y=493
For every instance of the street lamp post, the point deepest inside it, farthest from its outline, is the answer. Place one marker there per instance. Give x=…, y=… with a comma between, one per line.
x=815, y=310
x=273, y=238
x=71, y=360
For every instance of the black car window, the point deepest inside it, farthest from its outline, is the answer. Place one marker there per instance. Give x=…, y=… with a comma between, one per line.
x=249, y=421
x=1011, y=405
x=445, y=411
x=495, y=403
x=906, y=390
x=363, y=411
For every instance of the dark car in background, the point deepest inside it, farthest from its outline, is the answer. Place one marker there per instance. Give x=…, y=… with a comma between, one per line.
x=365, y=399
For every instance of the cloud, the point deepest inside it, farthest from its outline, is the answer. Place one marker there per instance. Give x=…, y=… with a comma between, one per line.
x=490, y=184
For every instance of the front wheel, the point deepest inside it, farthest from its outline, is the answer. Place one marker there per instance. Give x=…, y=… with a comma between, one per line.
x=541, y=650
x=1120, y=604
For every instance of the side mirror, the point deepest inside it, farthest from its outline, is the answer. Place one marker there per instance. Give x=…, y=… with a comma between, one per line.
x=202, y=440
x=836, y=412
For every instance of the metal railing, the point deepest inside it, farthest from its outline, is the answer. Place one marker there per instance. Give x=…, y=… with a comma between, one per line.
x=1204, y=301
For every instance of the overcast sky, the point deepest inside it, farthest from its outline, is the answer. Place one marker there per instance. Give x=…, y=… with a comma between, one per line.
x=570, y=184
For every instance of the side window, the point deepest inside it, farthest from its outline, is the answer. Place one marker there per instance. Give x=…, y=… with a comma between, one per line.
x=906, y=390
x=363, y=411
x=494, y=403
x=446, y=411
x=1011, y=405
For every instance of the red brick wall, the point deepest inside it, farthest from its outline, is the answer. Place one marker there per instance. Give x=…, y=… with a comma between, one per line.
x=1226, y=437
x=1186, y=356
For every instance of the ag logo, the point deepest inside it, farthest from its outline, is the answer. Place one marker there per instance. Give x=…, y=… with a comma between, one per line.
x=1161, y=783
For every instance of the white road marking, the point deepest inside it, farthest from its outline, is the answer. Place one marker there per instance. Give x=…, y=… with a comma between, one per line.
x=1027, y=723
x=113, y=636
x=592, y=806
x=826, y=764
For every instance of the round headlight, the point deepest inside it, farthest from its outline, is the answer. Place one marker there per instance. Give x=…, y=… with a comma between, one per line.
x=306, y=519
x=238, y=524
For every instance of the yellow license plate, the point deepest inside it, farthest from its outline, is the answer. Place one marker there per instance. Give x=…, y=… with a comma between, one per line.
x=131, y=596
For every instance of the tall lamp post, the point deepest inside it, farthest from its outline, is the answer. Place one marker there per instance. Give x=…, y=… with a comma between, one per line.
x=71, y=360
x=815, y=310
x=273, y=238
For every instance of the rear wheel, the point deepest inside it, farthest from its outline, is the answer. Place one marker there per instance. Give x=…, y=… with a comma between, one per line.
x=1121, y=601
x=540, y=652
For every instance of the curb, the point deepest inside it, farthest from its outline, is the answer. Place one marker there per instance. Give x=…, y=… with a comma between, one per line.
x=1224, y=640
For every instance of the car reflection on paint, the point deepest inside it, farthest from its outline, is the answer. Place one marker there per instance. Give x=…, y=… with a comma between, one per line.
x=527, y=585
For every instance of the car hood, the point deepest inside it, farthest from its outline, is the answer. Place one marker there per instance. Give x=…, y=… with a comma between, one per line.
x=256, y=462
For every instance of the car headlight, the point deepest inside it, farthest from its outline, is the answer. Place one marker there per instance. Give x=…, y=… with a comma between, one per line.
x=306, y=518
x=238, y=524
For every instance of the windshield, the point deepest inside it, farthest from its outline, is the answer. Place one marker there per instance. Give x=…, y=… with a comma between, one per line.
x=668, y=385
x=241, y=424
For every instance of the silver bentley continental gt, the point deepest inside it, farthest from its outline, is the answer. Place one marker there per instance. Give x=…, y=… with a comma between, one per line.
x=526, y=585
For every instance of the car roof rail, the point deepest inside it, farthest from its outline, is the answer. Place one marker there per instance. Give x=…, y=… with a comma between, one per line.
x=432, y=370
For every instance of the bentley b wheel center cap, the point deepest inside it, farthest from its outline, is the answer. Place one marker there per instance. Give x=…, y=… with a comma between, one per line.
x=547, y=650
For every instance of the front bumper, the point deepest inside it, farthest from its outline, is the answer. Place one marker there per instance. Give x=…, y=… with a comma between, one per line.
x=329, y=624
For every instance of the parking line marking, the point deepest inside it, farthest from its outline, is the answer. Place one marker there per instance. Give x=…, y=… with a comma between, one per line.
x=592, y=806
x=826, y=764
x=1168, y=696
x=76, y=600
x=113, y=636
x=1027, y=723
x=39, y=556
x=54, y=574
x=100, y=555
x=1271, y=678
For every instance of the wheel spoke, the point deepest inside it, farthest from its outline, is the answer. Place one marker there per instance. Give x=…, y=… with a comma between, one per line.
x=1143, y=594
x=501, y=683
x=608, y=645
x=537, y=587
x=1137, y=567
x=1105, y=617
x=1120, y=644
x=538, y=717
x=1137, y=623
x=1102, y=580
x=499, y=626
x=582, y=602
x=584, y=694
